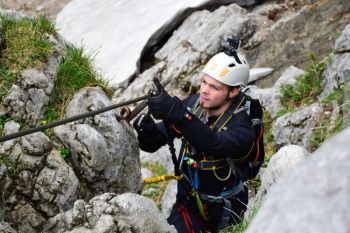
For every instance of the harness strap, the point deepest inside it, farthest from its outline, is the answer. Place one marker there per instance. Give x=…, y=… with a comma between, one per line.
x=226, y=215
x=210, y=164
x=224, y=195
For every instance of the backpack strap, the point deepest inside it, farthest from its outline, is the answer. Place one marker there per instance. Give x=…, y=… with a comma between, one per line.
x=234, y=109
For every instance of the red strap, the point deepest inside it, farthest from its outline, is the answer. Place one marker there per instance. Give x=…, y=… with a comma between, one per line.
x=258, y=144
x=188, y=223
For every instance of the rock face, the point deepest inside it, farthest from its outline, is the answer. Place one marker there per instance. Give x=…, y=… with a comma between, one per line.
x=296, y=128
x=287, y=158
x=129, y=213
x=2, y=188
x=47, y=7
x=293, y=36
x=180, y=61
x=28, y=98
x=313, y=196
x=104, y=152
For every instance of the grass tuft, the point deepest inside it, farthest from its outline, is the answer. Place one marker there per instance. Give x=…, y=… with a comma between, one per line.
x=306, y=89
x=74, y=73
x=25, y=45
x=240, y=227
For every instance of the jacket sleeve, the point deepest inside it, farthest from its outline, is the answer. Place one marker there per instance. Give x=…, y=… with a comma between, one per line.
x=159, y=137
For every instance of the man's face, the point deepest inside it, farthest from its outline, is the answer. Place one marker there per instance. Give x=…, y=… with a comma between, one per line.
x=213, y=94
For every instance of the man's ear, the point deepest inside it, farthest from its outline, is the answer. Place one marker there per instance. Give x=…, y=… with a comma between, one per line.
x=234, y=92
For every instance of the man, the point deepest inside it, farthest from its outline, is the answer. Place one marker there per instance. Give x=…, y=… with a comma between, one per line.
x=211, y=195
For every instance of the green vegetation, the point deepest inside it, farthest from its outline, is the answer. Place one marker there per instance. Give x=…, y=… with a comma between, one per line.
x=74, y=73
x=306, y=88
x=269, y=145
x=12, y=170
x=241, y=227
x=305, y=91
x=159, y=188
x=65, y=153
x=25, y=45
x=327, y=126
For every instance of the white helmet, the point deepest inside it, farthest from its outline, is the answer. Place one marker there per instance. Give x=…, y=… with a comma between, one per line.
x=230, y=70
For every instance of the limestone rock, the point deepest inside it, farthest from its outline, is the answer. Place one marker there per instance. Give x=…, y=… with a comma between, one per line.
x=103, y=151
x=313, y=196
x=110, y=213
x=284, y=160
x=296, y=128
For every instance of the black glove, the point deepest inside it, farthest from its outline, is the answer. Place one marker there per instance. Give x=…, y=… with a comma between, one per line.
x=161, y=105
x=145, y=125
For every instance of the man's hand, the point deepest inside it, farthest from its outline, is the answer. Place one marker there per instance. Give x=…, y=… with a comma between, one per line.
x=145, y=125
x=161, y=105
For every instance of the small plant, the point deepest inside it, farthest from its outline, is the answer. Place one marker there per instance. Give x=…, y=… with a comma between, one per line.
x=306, y=88
x=240, y=227
x=65, y=153
x=74, y=73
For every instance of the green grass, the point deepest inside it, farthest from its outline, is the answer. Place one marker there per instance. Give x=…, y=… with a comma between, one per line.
x=74, y=73
x=306, y=89
x=157, y=170
x=240, y=227
x=326, y=127
x=25, y=45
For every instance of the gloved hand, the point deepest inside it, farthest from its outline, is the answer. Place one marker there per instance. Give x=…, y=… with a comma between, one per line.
x=161, y=105
x=145, y=125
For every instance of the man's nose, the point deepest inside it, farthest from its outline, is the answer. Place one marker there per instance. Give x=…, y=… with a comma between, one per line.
x=206, y=89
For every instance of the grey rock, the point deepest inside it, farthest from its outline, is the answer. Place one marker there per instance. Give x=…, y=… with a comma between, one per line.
x=342, y=44
x=15, y=102
x=169, y=198
x=346, y=105
x=284, y=160
x=288, y=76
x=24, y=218
x=56, y=186
x=9, y=128
x=289, y=39
x=146, y=173
x=313, y=196
x=336, y=74
x=270, y=98
x=296, y=128
x=36, y=144
x=5, y=227
x=104, y=151
x=28, y=99
x=3, y=170
x=110, y=213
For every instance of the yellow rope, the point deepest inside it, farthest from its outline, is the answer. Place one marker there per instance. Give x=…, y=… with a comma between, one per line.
x=219, y=178
x=158, y=179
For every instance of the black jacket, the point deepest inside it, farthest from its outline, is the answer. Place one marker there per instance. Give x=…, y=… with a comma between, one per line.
x=234, y=142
